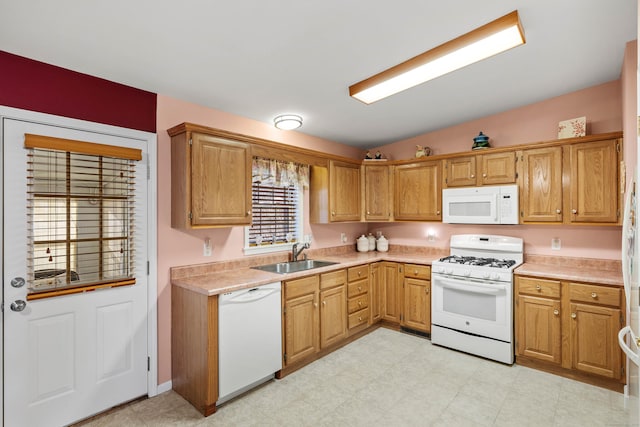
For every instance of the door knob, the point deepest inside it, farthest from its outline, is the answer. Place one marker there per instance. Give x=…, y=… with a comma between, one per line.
x=18, y=305
x=17, y=282
x=558, y=211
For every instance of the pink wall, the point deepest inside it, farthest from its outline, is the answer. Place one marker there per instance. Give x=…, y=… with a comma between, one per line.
x=629, y=106
x=602, y=105
x=535, y=122
x=177, y=247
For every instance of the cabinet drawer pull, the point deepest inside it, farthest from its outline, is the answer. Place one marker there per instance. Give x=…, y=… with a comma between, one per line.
x=360, y=318
x=359, y=303
x=573, y=315
x=538, y=288
x=594, y=295
x=359, y=288
x=556, y=311
x=415, y=272
x=359, y=274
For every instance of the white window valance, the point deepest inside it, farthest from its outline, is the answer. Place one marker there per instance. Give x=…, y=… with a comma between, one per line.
x=279, y=173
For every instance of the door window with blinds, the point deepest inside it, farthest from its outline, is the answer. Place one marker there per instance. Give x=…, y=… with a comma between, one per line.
x=80, y=215
x=277, y=190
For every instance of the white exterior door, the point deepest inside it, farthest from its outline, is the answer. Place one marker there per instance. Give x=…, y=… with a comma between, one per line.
x=68, y=357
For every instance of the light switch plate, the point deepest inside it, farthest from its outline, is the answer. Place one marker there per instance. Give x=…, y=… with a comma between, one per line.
x=207, y=249
x=343, y=237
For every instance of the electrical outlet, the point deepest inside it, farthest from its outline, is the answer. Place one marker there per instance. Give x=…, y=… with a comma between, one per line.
x=206, y=251
x=343, y=237
x=556, y=244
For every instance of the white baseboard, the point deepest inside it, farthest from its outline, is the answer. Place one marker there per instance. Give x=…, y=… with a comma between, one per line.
x=164, y=387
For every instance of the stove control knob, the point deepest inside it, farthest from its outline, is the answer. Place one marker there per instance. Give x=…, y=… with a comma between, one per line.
x=467, y=273
x=485, y=275
x=495, y=276
x=449, y=271
x=440, y=270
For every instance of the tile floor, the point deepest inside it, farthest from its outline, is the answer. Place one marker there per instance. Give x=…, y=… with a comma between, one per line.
x=388, y=378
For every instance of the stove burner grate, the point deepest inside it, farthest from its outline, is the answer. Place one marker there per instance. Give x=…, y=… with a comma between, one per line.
x=483, y=262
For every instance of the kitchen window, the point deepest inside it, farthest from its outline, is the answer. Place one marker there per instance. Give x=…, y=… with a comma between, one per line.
x=277, y=194
x=80, y=214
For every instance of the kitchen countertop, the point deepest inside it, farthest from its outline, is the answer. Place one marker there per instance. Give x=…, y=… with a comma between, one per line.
x=571, y=273
x=219, y=282
x=231, y=276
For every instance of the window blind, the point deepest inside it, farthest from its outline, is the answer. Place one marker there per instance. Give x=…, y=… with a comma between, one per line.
x=80, y=214
x=274, y=215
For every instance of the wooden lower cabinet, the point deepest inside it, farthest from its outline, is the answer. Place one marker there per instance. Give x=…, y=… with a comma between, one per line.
x=416, y=313
x=375, y=293
x=333, y=299
x=391, y=291
x=572, y=327
x=358, y=298
x=194, y=348
x=538, y=324
x=302, y=319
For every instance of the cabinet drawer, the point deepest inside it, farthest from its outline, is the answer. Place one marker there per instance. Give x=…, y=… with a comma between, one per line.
x=357, y=288
x=358, y=303
x=595, y=294
x=333, y=278
x=417, y=271
x=539, y=287
x=359, y=272
x=298, y=287
x=359, y=318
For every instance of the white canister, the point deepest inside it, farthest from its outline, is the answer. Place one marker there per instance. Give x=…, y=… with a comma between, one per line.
x=362, y=243
x=383, y=244
x=372, y=242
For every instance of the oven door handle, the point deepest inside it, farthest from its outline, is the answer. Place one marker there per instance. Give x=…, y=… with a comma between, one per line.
x=484, y=288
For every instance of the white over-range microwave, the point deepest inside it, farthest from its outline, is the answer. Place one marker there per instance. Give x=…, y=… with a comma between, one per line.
x=480, y=205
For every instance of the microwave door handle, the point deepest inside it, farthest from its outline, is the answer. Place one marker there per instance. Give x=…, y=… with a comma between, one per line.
x=471, y=287
x=632, y=355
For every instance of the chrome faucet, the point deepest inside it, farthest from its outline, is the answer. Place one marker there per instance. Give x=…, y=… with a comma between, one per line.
x=295, y=252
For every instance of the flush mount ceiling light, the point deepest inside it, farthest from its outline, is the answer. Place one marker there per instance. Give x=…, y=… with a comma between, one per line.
x=288, y=121
x=497, y=36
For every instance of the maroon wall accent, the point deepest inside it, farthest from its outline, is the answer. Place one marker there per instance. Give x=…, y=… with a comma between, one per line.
x=36, y=86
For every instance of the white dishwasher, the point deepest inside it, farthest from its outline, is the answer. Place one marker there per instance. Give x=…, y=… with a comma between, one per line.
x=249, y=338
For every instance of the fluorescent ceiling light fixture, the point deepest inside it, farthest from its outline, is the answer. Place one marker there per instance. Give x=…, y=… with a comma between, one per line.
x=287, y=121
x=495, y=37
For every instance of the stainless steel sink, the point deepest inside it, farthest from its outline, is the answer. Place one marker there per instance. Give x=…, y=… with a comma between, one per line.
x=293, y=266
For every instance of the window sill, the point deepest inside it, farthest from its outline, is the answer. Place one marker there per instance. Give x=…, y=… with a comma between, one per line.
x=255, y=250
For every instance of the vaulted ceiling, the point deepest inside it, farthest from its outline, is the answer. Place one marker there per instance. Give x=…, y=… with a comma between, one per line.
x=259, y=58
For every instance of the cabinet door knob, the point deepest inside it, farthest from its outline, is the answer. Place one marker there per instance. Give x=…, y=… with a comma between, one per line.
x=538, y=288
x=426, y=290
x=573, y=315
x=437, y=212
x=558, y=211
x=556, y=311
x=333, y=213
x=575, y=211
x=324, y=303
x=368, y=213
x=484, y=175
x=315, y=304
x=594, y=295
x=248, y=212
x=472, y=176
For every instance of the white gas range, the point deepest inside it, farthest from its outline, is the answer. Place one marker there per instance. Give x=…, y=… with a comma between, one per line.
x=472, y=295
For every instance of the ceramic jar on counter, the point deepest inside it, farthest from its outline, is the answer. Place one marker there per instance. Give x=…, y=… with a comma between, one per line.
x=362, y=244
x=382, y=244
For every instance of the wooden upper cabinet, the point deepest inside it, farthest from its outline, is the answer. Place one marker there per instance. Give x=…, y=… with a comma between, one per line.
x=541, y=190
x=460, y=171
x=210, y=181
x=377, y=193
x=594, y=182
x=335, y=193
x=418, y=191
x=498, y=168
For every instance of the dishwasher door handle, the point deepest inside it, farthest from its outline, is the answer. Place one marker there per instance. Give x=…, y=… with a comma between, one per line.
x=251, y=295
